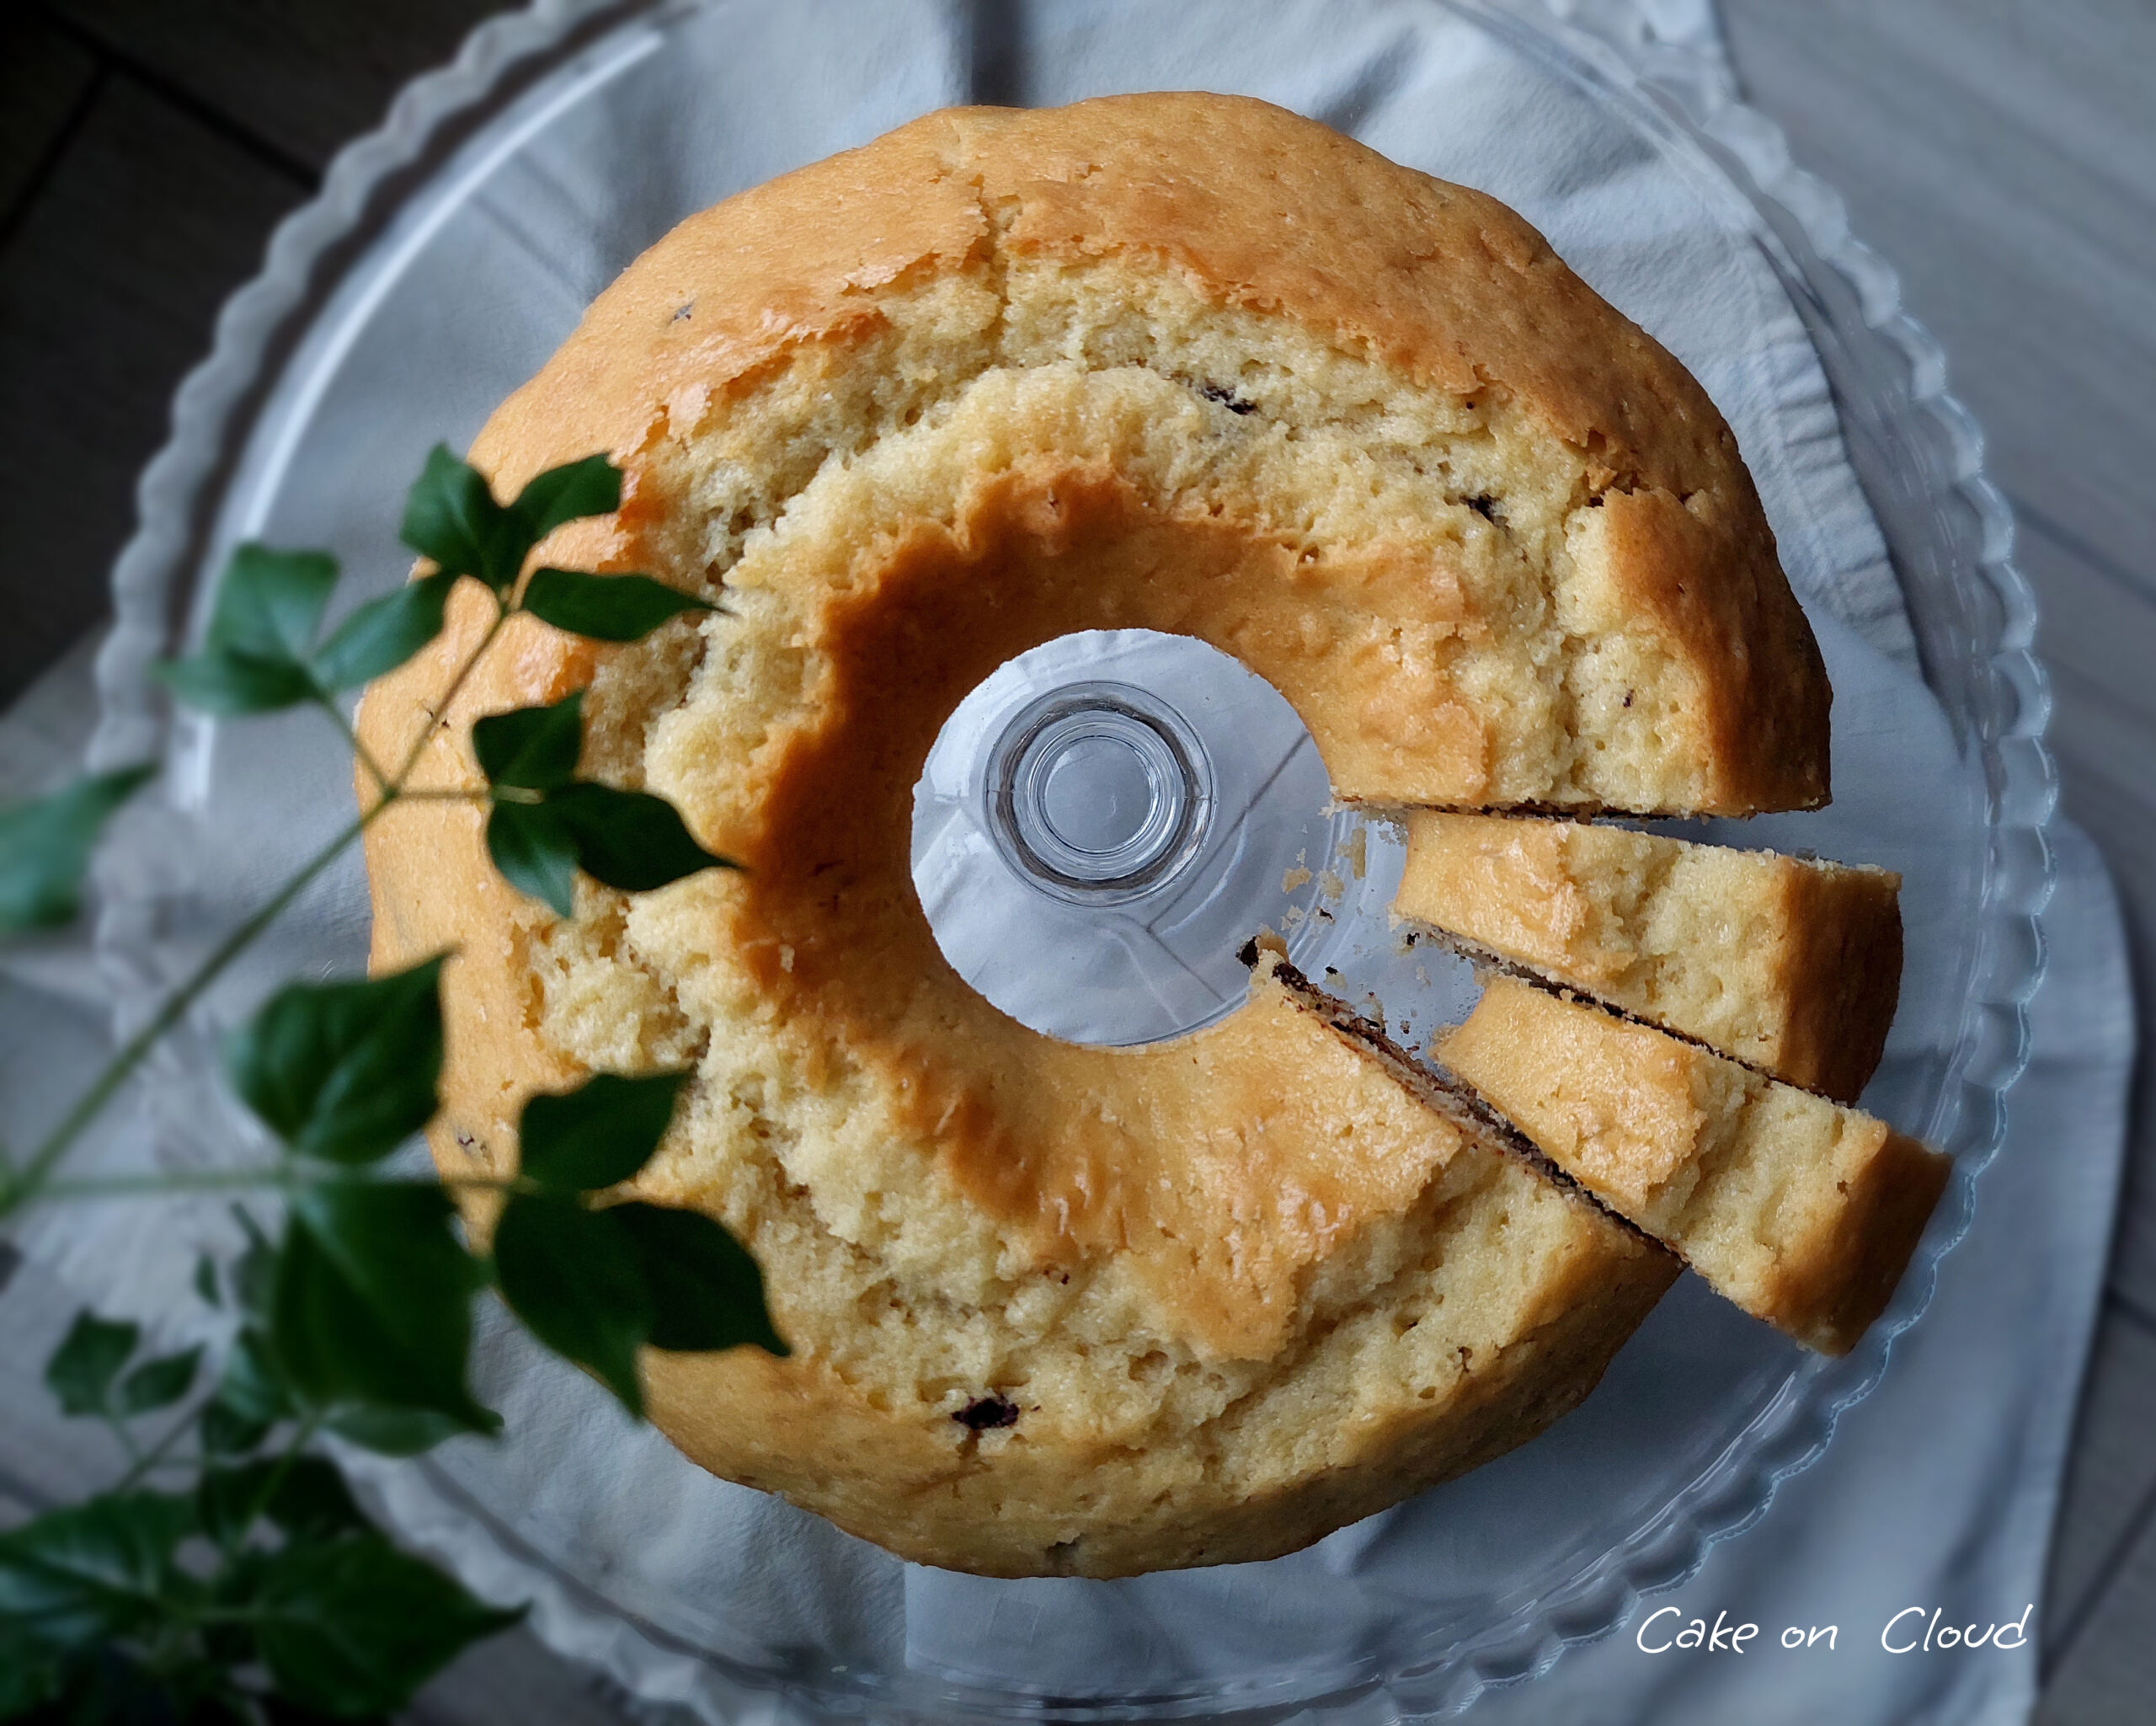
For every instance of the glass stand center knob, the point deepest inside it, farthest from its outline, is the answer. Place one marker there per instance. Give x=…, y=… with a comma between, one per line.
x=1099, y=793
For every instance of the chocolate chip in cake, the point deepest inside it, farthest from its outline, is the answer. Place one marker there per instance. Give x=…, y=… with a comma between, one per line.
x=985, y=1413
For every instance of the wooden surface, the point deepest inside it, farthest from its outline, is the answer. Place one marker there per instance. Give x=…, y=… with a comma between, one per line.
x=2000, y=153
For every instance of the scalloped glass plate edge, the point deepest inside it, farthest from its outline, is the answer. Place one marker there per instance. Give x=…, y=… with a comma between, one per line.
x=1610, y=43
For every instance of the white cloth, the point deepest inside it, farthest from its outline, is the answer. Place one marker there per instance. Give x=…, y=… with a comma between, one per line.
x=1940, y=1487
x=1937, y=1492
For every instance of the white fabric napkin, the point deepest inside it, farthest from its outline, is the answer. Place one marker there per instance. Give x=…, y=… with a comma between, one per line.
x=1938, y=1492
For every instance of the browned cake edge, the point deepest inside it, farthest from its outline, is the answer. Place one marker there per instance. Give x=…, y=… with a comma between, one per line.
x=1833, y=1296
x=1846, y=974
x=1443, y=1092
x=1839, y=1278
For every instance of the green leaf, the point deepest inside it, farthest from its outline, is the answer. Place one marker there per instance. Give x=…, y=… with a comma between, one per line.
x=535, y=852
x=354, y=1626
x=270, y=603
x=110, y=1688
x=255, y=1267
x=605, y=607
x=255, y=655
x=372, y=1304
x=251, y=1397
x=599, y=1134
x=30, y=1673
x=88, y=1359
x=575, y=489
x=533, y=748
x=227, y=1500
x=83, y=1573
x=571, y=1276
x=305, y=1496
x=344, y=1072
x=158, y=1383
x=707, y=1291
x=277, y=1711
x=226, y=1432
x=381, y=634
x=626, y=839
x=313, y=1501
x=225, y=682
x=228, y=1639
x=394, y=1432
x=629, y=839
x=451, y=516
x=205, y=1280
x=45, y=846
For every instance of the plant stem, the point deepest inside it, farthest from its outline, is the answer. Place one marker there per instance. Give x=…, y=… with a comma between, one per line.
x=449, y=695
x=236, y=1180
x=126, y=1443
x=27, y=1183
x=195, y=1462
x=328, y=705
x=176, y=1180
x=18, y=1187
x=145, y=1461
x=266, y=1493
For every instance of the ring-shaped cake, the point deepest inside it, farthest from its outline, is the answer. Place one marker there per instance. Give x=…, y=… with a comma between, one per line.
x=1183, y=363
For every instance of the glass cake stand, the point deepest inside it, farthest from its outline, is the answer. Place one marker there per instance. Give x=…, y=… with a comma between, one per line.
x=446, y=256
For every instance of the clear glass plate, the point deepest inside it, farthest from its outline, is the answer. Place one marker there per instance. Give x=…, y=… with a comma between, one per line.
x=445, y=258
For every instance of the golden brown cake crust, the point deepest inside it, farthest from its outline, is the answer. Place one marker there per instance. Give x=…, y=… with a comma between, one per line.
x=1254, y=207
x=1841, y=970
x=1102, y=1510
x=1242, y=1286
x=1790, y=966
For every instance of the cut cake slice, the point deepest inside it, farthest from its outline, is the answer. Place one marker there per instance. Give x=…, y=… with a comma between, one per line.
x=1787, y=965
x=1802, y=1211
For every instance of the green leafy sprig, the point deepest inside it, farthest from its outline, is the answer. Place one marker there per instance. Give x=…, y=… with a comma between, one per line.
x=45, y=846
x=546, y=823
x=229, y=1573
x=260, y=1587
x=258, y=654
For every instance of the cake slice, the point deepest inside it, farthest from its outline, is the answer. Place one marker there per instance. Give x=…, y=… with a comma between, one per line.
x=1790, y=966
x=1802, y=1211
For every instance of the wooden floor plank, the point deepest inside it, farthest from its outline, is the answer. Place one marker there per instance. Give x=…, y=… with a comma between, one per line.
x=108, y=292
x=44, y=77
x=306, y=79
x=2122, y=826
x=2002, y=159
x=2097, y=626
x=2030, y=253
x=2112, y=1475
x=2075, y=76
x=2099, y=637
x=2103, y=1679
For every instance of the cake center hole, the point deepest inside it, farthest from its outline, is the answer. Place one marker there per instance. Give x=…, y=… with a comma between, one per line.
x=1105, y=821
